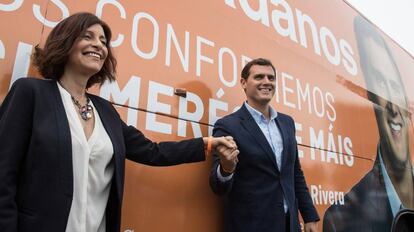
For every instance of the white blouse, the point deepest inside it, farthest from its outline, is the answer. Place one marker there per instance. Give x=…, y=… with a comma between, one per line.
x=93, y=169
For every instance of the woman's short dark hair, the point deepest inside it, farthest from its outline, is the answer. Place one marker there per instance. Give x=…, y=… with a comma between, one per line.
x=258, y=61
x=51, y=60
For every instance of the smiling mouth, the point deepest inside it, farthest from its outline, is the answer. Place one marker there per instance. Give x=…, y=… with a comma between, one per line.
x=93, y=54
x=395, y=129
x=266, y=90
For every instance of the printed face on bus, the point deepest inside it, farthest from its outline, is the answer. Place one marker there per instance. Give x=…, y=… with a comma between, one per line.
x=388, y=96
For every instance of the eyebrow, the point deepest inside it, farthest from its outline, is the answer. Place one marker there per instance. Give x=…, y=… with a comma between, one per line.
x=263, y=74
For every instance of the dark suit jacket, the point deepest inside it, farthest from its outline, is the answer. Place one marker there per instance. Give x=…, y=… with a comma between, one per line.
x=366, y=207
x=254, y=196
x=36, y=173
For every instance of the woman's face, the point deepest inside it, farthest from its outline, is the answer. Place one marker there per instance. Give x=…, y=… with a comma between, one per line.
x=89, y=52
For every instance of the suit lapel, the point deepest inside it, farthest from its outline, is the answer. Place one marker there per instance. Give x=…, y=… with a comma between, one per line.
x=64, y=140
x=380, y=200
x=251, y=126
x=283, y=133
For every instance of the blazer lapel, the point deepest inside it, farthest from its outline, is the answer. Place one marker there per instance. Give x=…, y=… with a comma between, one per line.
x=379, y=200
x=251, y=126
x=65, y=141
x=283, y=133
x=108, y=123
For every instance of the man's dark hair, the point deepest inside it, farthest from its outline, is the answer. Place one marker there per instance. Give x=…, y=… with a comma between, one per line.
x=258, y=61
x=51, y=60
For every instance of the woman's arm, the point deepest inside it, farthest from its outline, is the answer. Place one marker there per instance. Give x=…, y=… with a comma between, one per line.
x=15, y=130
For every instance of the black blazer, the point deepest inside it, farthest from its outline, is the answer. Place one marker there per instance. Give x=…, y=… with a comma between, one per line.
x=366, y=206
x=36, y=172
x=254, y=196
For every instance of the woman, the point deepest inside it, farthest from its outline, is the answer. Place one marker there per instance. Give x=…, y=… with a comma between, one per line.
x=63, y=150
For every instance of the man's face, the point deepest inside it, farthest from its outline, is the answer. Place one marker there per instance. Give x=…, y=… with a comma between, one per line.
x=260, y=85
x=389, y=102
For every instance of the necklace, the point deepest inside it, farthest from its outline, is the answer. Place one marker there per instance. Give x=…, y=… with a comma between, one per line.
x=84, y=111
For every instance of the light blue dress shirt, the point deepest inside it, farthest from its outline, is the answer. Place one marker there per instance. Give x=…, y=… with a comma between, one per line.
x=270, y=131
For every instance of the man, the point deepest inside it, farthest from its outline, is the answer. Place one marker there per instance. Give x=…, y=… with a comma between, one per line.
x=265, y=190
x=372, y=204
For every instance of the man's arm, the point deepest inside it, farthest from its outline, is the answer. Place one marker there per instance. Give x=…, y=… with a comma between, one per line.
x=223, y=166
x=305, y=204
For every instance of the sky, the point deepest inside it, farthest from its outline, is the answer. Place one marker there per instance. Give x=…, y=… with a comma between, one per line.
x=394, y=17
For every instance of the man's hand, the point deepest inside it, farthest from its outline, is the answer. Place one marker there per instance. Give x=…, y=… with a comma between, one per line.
x=226, y=149
x=311, y=227
x=228, y=159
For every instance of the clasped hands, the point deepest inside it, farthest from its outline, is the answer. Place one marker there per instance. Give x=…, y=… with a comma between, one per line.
x=225, y=147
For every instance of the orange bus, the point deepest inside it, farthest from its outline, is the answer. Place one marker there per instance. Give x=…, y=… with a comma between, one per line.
x=179, y=65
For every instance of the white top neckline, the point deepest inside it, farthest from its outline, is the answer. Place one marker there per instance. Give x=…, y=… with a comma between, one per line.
x=93, y=170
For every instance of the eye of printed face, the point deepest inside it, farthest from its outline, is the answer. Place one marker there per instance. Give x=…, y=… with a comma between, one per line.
x=379, y=81
x=383, y=76
x=394, y=86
